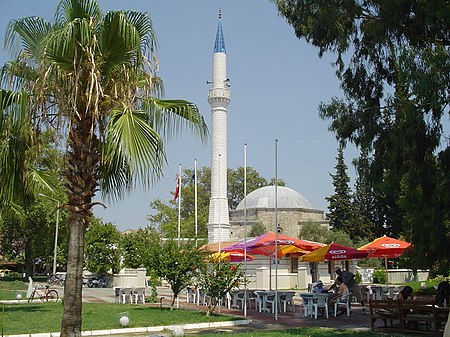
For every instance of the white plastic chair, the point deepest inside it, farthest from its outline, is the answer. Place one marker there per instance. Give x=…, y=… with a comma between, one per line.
x=343, y=301
x=259, y=299
x=125, y=294
x=320, y=301
x=139, y=294
x=287, y=298
x=271, y=300
x=307, y=304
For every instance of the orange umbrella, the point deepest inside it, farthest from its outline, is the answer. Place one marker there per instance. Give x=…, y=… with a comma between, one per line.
x=334, y=252
x=386, y=247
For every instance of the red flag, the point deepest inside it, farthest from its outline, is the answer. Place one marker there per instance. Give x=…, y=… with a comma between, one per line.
x=177, y=189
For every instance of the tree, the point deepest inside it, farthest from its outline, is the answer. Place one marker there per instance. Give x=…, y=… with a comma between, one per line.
x=93, y=76
x=218, y=279
x=102, y=250
x=341, y=213
x=165, y=219
x=136, y=247
x=319, y=233
x=364, y=201
x=175, y=262
x=27, y=169
x=392, y=59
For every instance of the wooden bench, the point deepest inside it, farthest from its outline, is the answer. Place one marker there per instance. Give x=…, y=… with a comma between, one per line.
x=417, y=316
x=384, y=310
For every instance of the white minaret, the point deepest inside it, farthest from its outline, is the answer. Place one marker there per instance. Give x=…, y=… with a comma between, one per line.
x=219, y=96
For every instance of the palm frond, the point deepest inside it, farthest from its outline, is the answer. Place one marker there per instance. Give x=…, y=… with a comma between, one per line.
x=132, y=150
x=69, y=10
x=120, y=40
x=168, y=117
x=31, y=31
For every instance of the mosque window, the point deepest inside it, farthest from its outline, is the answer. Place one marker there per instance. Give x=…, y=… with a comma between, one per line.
x=294, y=265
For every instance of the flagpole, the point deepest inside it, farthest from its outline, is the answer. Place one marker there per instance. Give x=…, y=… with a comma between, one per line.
x=276, y=229
x=245, y=229
x=179, y=205
x=195, y=198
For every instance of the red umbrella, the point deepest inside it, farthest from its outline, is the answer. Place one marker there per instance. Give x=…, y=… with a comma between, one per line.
x=334, y=252
x=385, y=247
x=265, y=245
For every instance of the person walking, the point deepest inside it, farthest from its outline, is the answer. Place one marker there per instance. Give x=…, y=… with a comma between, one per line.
x=349, y=280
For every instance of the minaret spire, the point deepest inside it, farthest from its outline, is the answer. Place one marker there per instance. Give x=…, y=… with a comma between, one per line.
x=219, y=96
x=219, y=44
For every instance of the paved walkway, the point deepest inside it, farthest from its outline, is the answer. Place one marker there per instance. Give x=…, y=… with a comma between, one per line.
x=258, y=321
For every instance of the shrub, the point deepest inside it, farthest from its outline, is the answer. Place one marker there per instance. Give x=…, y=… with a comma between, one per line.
x=358, y=277
x=379, y=276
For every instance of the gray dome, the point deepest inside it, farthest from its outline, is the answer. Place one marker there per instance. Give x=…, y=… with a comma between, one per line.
x=264, y=197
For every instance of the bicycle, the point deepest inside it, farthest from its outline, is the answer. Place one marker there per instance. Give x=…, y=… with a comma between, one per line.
x=46, y=294
x=55, y=280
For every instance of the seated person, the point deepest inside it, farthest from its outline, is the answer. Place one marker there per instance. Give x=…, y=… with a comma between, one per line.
x=404, y=294
x=318, y=288
x=341, y=288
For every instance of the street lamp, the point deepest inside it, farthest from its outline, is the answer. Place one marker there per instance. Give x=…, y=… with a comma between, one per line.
x=56, y=230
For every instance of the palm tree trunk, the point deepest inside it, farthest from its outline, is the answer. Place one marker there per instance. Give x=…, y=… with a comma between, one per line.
x=71, y=322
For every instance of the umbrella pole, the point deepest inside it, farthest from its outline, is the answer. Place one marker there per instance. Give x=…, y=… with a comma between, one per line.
x=270, y=272
x=386, y=267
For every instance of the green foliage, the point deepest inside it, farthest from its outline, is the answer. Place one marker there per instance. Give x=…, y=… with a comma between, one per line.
x=175, y=262
x=136, y=247
x=392, y=60
x=319, y=233
x=341, y=210
x=379, y=276
x=219, y=278
x=257, y=229
x=358, y=277
x=165, y=217
x=102, y=251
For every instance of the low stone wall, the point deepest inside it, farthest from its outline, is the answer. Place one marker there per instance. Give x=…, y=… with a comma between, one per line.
x=130, y=278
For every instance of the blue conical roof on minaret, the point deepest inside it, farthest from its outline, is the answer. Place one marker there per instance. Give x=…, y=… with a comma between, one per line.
x=219, y=44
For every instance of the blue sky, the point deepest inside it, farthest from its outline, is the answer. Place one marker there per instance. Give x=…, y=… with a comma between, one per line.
x=277, y=83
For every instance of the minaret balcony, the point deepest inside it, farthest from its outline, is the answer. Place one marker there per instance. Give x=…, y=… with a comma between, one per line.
x=219, y=94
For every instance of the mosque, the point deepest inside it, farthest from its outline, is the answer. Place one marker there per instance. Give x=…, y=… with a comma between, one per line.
x=258, y=208
x=293, y=209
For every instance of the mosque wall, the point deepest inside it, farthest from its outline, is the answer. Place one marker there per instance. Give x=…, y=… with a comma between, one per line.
x=290, y=220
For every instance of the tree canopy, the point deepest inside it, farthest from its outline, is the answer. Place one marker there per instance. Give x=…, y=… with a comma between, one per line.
x=393, y=62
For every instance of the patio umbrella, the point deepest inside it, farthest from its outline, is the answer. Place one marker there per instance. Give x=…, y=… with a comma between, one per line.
x=385, y=247
x=229, y=256
x=334, y=252
x=265, y=245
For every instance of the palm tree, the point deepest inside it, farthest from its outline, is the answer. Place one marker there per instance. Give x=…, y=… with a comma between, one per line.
x=93, y=78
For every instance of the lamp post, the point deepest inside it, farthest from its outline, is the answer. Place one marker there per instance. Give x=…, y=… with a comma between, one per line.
x=56, y=230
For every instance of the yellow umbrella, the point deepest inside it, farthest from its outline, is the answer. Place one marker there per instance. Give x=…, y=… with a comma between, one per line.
x=334, y=252
x=229, y=256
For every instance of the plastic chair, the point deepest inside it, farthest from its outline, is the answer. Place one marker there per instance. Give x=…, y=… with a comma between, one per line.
x=307, y=304
x=287, y=298
x=259, y=299
x=240, y=297
x=125, y=294
x=139, y=294
x=320, y=301
x=271, y=300
x=343, y=301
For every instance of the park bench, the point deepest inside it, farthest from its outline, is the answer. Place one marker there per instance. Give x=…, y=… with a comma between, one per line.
x=422, y=316
x=384, y=310
x=413, y=316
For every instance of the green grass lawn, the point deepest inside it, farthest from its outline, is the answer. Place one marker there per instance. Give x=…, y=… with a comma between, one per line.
x=46, y=317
